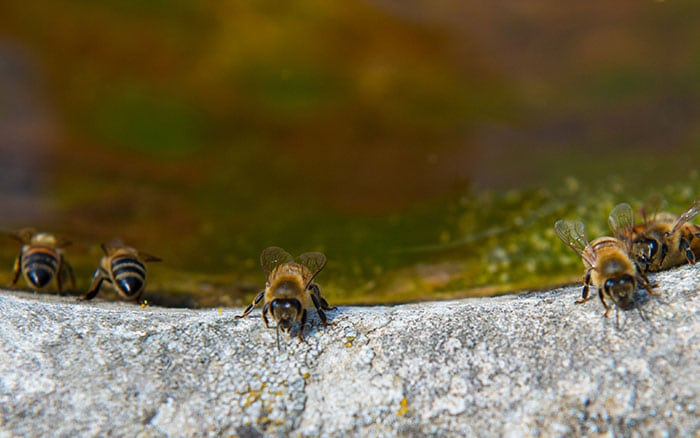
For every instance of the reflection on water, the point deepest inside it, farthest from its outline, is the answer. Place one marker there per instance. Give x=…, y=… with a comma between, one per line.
x=24, y=137
x=426, y=149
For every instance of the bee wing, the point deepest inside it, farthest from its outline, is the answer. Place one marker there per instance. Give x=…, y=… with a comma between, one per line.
x=314, y=262
x=146, y=257
x=687, y=216
x=621, y=221
x=113, y=245
x=272, y=257
x=23, y=236
x=573, y=233
x=62, y=242
x=651, y=207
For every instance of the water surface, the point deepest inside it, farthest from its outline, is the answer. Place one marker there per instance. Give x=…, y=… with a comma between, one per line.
x=426, y=150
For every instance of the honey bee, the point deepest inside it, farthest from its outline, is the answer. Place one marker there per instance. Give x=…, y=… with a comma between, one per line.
x=41, y=259
x=290, y=289
x=124, y=268
x=664, y=240
x=609, y=267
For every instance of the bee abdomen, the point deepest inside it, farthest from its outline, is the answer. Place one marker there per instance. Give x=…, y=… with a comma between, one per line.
x=129, y=275
x=39, y=266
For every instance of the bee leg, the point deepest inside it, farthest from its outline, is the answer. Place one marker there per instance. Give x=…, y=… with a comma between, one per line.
x=327, y=307
x=265, y=309
x=689, y=254
x=137, y=299
x=99, y=276
x=585, y=293
x=65, y=271
x=252, y=305
x=303, y=324
x=322, y=301
x=602, y=300
x=278, y=338
x=59, y=284
x=16, y=270
x=68, y=269
x=644, y=281
x=662, y=253
x=642, y=316
x=319, y=309
x=59, y=275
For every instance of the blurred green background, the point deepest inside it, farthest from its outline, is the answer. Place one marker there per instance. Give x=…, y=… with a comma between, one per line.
x=425, y=147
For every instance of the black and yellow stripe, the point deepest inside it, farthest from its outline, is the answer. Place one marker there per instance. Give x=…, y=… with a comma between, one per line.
x=128, y=275
x=39, y=265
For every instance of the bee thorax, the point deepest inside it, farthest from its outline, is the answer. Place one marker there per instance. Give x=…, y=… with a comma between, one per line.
x=287, y=288
x=614, y=265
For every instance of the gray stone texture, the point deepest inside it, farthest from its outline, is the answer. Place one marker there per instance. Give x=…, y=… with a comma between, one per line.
x=529, y=364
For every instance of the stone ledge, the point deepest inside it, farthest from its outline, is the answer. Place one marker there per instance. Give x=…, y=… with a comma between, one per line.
x=512, y=365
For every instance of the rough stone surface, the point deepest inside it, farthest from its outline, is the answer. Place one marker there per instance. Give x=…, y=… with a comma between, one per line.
x=532, y=364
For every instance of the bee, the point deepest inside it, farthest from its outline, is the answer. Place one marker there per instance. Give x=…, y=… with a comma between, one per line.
x=609, y=267
x=664, y=240
x=124, y=268
x=41, y=259
x=290, y=289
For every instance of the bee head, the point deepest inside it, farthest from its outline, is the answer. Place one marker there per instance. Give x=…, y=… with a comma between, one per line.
x=621, y=290
x=286, y=311
x=646, y=250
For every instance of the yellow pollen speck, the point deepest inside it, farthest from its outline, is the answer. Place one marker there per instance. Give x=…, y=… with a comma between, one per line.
x=220, y=310
x=403, y=410
x=348, y=341
x=306, y=375
x=144, y=304
x=253, y=396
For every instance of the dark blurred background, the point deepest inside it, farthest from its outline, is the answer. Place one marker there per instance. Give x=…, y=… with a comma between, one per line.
x=407, y=139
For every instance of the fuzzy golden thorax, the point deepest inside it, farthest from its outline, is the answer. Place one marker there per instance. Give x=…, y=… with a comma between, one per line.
x=614, y=273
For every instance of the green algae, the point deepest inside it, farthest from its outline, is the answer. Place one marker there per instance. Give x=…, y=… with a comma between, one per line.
x=479, y=244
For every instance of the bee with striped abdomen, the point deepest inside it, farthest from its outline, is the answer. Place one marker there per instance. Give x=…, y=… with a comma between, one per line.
x=41, y=259
x=609, y=266
x=290, y=289
x=124, y=268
